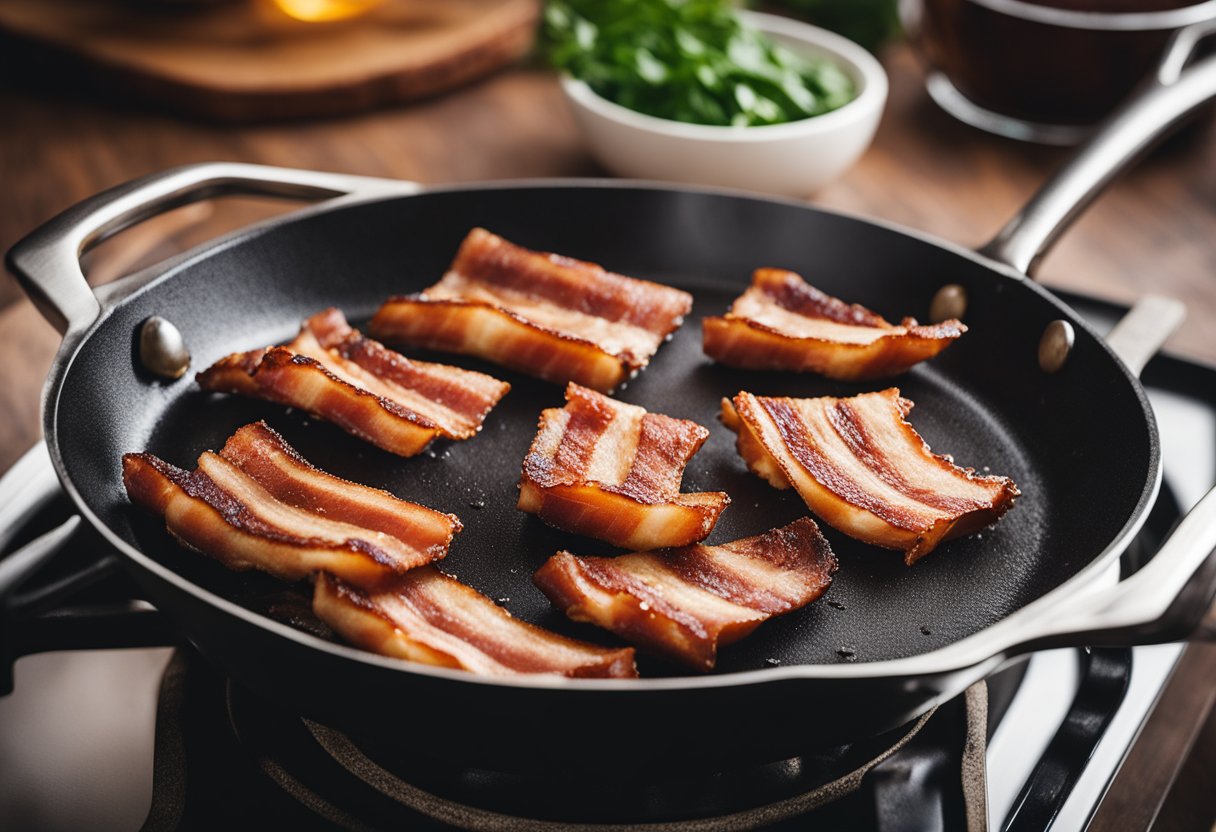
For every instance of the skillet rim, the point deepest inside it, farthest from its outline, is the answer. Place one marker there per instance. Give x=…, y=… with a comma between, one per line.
x=965, y=654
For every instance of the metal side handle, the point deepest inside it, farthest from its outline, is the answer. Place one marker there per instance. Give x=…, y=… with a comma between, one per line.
x=1143, y=331
x=1168, y=599
x=43, y=619
x=1174, y=93
x=47, y=261
x=24, y=489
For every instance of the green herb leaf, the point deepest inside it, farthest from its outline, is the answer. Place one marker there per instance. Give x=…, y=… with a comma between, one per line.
x=688, y=60
x=650, y=68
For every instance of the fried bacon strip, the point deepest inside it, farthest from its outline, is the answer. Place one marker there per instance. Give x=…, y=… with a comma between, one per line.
x=861, y=467
x=336, y=374
x=611, y=470
x=782, y=323
x=542, y=314
x=429, y=617
x=258, y=504
x=684, y=603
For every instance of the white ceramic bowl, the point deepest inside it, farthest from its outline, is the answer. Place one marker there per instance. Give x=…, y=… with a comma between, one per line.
x=791, y=159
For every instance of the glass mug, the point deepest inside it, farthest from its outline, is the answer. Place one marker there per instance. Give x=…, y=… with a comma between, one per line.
x=1044, y=71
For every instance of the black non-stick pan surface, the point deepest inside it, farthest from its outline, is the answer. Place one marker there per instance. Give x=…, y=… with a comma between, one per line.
x=1080, y=444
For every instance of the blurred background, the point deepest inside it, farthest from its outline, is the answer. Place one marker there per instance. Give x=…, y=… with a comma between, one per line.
x=96, y=92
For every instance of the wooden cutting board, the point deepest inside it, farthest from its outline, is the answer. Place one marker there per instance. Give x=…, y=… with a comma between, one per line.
x=243, y=60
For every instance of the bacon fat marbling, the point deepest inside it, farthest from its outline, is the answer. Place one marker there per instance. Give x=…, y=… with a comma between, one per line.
x=685, y=603
x=259, y=504
x=542, y=314
x=861, y=467
x=430, y=617
x=333, y=372
x=611, y=470
x=782, y=323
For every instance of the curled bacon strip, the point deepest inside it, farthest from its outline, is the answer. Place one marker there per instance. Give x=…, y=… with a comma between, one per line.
x=333, y=372
x=543, y=314
x=782, y=323
x=684, y=603
x=429, y=617
x=611, y=470
x=861, y=467
x=258, y=504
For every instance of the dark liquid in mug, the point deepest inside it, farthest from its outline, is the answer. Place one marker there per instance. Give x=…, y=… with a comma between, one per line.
x=1038, y=71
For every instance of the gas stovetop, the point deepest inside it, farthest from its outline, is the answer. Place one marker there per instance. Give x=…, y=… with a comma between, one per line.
x=115, y=739
x=233, y=758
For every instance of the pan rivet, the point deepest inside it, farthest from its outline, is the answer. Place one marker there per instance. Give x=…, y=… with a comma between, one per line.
x=1055, y=345
x=949, y=302
x=162, y=350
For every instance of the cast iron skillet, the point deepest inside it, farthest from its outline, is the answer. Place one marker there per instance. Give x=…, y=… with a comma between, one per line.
x=1081, y=442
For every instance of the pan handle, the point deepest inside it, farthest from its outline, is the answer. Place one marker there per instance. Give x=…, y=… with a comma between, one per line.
x=1173, y=93
x=47, y=261
x=24, y=489
x=43, y=618
x=1168, y=599
x=1140, y=334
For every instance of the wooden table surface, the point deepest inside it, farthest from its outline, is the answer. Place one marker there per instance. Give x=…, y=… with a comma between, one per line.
x=1154, y=230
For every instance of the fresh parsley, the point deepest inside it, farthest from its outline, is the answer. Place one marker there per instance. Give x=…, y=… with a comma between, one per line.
x=688, y=60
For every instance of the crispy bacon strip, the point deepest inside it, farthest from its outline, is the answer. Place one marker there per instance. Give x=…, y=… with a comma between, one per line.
x=861, y=467
x=429, y=617
x=265, y=456
x=611, y=470
x=782, y=323
x=333, y=372
x=543, y=314
x=258, y=504
x=684, y=603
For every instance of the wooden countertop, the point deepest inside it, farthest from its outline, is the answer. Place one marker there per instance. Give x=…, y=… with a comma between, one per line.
x=1154, y=230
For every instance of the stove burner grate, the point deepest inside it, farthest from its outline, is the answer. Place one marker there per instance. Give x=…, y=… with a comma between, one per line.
x=224, y=756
